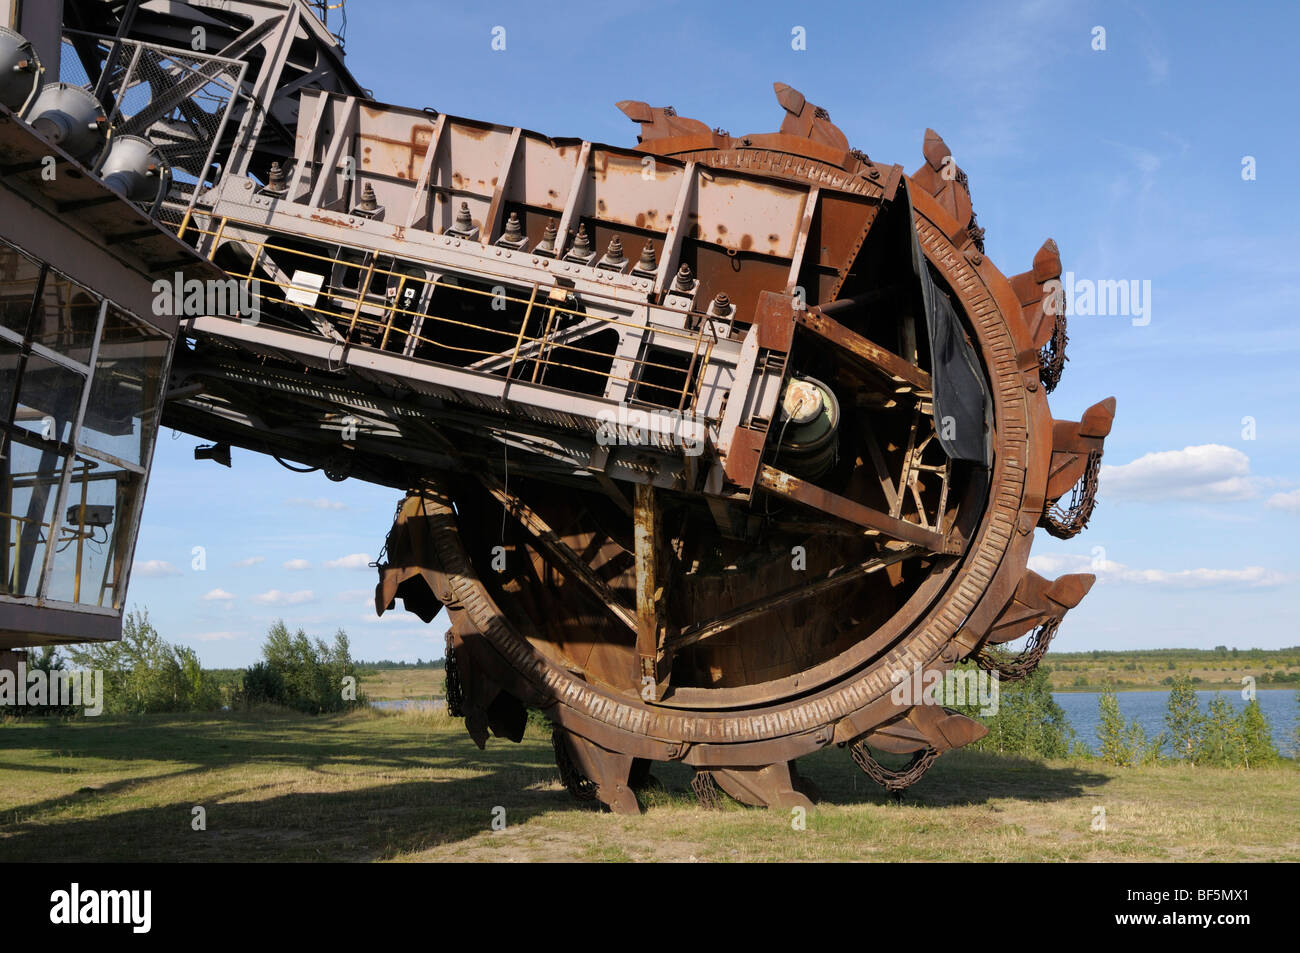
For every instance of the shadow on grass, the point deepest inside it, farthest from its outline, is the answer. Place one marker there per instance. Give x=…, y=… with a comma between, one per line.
x=956, y=778
x=367, y=787
x=296, y=789
x=364, y=824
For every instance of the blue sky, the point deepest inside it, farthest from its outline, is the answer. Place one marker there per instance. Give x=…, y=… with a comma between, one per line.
x=1130, y=157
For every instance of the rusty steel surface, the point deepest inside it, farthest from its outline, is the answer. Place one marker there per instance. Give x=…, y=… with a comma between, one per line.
x=704, y=440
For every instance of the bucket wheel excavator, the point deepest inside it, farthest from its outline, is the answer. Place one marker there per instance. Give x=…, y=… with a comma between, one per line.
x=707, y=442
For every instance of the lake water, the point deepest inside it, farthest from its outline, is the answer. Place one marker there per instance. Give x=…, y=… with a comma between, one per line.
x=1279, y=706
x=1148, y=709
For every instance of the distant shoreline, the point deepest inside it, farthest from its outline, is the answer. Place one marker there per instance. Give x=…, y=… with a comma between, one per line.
x=1121, y=689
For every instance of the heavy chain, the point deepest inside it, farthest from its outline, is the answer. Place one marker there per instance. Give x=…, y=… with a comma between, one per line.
x=577, y=783
x=455, y=692
x=1013, y=668
x=973, y=229
x=1065, y=523
x=1051, y=359
x=893, y=781
x=706, y=791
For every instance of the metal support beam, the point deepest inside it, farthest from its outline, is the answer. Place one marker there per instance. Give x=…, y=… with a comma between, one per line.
x=893, y=367
x=799, y=491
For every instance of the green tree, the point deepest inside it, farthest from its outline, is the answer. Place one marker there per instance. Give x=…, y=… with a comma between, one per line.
x=1113, y=747
x=1138, y=748
x=1028, y=720
x=1183, y=718
x=1256, y=738
x=311, y=674
x=1221, y=741
x=144, y=673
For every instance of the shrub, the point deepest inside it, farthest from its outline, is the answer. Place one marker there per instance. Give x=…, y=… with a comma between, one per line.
x=1221, y=741
x=1256, y=739
x=1183, y=718
x=1028, y=720
x=1110, y=728
x=1126, y=745
x=263, y=685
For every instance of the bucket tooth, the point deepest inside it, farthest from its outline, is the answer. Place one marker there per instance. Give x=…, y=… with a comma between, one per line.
x=1076, y=459
x=1039, y=293
x=807, y=120
x=773, y=785
x=925, y=726
x=943, y=179
x=609, y=771
x=1037, y=601
x=661, y=122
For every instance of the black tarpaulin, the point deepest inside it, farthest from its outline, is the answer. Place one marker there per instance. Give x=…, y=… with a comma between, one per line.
x=961, y=397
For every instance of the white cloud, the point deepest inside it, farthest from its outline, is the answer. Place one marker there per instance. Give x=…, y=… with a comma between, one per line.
x=1290, y=502
x=352, y=561
x=250, y=561
x=1207, y=473
x=1107, y=570
x=216, y=636
x=154, y=567
x=277, y=598
x=217, y=595
x=297, y=565
x=320, y=503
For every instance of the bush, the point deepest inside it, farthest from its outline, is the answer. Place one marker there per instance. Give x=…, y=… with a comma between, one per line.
x=312, y=677
x=144, y=674
x=1256, y=739
x=263, y=685
x=1028, y=720
x=1126, y=745
x=1183, y=718
x=1221, y=742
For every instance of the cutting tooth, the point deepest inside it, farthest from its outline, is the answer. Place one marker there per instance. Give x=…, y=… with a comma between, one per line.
x=1038, y=601
x=1076, y=459
x=943, y=179
x=1039, y=292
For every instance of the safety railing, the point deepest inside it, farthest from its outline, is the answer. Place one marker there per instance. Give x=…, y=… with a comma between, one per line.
x=535, y=352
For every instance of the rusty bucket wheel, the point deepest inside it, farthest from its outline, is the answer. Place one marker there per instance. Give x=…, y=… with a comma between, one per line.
x=738, y=633
x=839, y=700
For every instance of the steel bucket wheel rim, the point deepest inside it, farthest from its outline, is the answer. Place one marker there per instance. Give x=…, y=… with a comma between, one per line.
x=984, y=294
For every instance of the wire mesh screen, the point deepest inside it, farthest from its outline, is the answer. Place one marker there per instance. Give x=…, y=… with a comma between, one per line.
x=178, y=99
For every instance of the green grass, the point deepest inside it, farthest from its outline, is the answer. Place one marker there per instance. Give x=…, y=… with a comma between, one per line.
x=401, y=683
x=370, y=786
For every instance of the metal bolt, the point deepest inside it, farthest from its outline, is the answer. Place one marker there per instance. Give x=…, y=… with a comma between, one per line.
x=369, y=202
x=647, y=260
